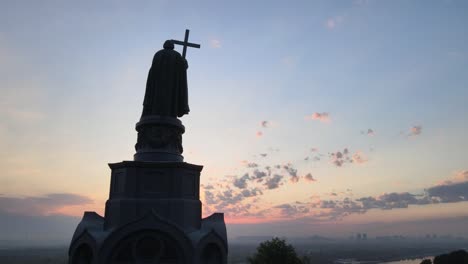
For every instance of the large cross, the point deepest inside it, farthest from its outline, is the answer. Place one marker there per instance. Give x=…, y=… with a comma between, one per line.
x=185, y=43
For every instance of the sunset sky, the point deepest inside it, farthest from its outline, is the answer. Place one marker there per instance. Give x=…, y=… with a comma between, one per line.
x=309, y=117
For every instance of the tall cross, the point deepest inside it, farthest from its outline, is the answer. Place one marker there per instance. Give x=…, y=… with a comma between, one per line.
x=185, y=43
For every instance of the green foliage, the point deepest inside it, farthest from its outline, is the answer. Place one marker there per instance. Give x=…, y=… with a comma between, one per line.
x=275, y=251
x=426, y=261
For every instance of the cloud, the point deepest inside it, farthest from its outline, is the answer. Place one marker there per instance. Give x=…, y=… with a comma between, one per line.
x=273, y=182
x=207, y=187
x=415, y=130
x=37, y=230
x=308, y=177
x=241, y=182
x=332, y=22
x=292, y=172
x=230, y=201
x=41, y=205
x=250, y=164
x=273, y=149
x=369, y=132
x=209, y=197
x=443, y=193
x=340, y=157
x=335, y=207
x=322, y=117
x=263, y=124
x=252, y=192
x=359, y=158
x=253, y=184
x=460, y=176
x=215, y=43
x=389, y=201
x=257, y=174
x=449, y=193
x=288, y=210
x=228, y=197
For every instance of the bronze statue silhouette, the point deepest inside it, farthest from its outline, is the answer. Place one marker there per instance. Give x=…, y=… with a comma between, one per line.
x=166, y=88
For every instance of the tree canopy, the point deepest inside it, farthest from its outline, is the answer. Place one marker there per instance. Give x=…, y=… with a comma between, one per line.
x=275, y=251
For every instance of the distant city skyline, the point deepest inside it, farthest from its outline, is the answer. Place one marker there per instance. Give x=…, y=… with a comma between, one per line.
x=309, y=118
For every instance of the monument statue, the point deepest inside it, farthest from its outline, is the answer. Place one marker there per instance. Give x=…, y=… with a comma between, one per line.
x=154, y=212
x=166, y=98
x=166, y=87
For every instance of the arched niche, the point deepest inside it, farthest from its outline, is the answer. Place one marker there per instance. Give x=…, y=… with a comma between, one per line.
x=148, y=246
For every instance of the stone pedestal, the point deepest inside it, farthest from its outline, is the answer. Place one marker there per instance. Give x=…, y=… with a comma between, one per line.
x=153, y=214
x=159, y=139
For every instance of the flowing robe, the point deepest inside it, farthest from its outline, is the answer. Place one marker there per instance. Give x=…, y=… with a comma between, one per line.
x=166, y=88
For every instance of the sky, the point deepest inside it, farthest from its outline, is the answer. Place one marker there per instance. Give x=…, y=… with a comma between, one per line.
x=309, y=117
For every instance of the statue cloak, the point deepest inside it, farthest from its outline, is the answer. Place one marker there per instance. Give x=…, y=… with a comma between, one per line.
x=166, y=88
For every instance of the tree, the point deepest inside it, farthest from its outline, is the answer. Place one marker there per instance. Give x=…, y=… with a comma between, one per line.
x=455, y=257
x=275, y=251
x=426, y=261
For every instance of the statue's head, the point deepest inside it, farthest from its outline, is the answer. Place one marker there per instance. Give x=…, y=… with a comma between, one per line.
x=169, y=44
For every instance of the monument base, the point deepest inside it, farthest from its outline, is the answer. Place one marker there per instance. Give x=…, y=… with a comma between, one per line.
x=159, y=139
x=153, y=215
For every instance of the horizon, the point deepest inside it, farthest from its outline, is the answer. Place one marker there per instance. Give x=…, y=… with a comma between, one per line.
x=328, y=118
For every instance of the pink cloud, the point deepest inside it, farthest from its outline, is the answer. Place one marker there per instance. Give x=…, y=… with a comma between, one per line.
x=322, y=117
x=458, y=177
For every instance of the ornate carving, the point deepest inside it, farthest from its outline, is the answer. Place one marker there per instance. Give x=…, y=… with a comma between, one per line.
x=160, y=137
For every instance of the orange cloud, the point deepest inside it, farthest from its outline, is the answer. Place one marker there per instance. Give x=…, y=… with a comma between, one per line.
x=359, y=158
